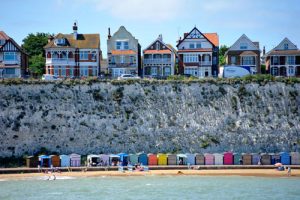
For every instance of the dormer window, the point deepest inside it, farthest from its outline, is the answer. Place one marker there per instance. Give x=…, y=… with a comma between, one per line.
x=286, y=46
x=60, y=41
x=243, y=46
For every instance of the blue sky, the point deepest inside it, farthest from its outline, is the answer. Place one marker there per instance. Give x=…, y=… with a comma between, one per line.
x=266, y=21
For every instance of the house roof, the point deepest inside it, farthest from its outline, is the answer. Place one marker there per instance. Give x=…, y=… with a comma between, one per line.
x=123, y=52
x=248, y=53
x=4, y=36
x=284, y=52
x=159, y=39
x=213, y=38
x=244, y=36
x=83, y=41
x=157, y=51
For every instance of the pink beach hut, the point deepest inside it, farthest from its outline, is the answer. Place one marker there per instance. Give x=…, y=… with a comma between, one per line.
x=75, y=160
x=209, y=159
x=228, y=158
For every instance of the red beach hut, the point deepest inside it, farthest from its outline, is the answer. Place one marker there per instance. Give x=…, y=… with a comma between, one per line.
x=152, y=159
x=228, y=158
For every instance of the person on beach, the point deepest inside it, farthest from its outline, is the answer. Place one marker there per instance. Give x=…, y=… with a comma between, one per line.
x=289, y=171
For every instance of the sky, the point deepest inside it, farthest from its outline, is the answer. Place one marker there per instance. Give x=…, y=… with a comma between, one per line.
x=266, y=21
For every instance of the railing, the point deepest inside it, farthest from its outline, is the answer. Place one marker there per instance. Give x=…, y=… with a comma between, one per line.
x=158, y=61
x=60, y=60
x=248, y=64
x=117, y=65
x=205, y=63
x=10, y=62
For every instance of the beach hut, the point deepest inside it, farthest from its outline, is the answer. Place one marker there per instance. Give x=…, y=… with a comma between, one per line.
x=265, y=159
x=190, y=158
x=172, y=159
x=143, y=158
x=182, y=159
x=75, y=160
x=104, y=159
x=152, y=159
x=237, y=158
x=114, y=159
x=64, y=160
x=32, y=161
x=123, y=159
x=218, y=158
x=275, y=158
x=209, y=159
x=162, y=159
x=228, y=158
x=134, y=159
x=285, y=158
x=200, y=159
x=45, y=161
x=93, y=160
x=295, y=158
x=247, y=159
x=256, y=159
x=55, y=160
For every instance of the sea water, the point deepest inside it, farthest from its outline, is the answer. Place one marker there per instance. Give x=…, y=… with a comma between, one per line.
x=152, y=187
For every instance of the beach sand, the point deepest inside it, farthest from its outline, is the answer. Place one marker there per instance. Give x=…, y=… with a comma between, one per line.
x=227, y=172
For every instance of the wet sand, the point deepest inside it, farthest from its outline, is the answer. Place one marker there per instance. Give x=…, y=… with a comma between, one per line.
x=221, y=172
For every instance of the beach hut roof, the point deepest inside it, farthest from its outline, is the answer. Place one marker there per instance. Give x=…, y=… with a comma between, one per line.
x=182, y=155
x=114, y=156
x=44, y=156
x=93, y=156
x=122, y=154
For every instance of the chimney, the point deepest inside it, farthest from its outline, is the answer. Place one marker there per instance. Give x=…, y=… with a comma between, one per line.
x=50, y=38
x=160, y=38
x=264, y=51
x=109, y=36
x=75, y=28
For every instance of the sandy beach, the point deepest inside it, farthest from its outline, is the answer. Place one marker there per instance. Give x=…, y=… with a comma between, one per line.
x=227, y=172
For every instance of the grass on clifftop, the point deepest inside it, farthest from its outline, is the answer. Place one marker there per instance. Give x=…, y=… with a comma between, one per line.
x=261, y=79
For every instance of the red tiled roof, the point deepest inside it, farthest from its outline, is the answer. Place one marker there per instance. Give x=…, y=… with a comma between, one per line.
x=3, y=36
x=194, y=50
x=213, y=38
x=123, y=52
x=157, y=51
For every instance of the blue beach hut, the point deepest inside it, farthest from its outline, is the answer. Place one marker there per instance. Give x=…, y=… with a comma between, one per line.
x=255, y=159
x=190, y=158
x=123, y=158
x=45, y=161
x=133, y=158
x=285, y=158
x=143, y=158
x=275, y=158
x=237, y=159
x=64, y=160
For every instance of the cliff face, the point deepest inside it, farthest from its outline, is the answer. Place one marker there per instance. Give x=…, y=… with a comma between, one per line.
x=169, y=117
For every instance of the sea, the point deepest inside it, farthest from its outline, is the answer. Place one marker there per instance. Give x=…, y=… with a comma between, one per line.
x=151, y=187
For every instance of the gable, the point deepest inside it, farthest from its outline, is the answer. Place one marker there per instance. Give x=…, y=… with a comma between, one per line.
x=244, y=44
x=157, y=45
x=9, y=46
x=286, y=44
x=194, y=34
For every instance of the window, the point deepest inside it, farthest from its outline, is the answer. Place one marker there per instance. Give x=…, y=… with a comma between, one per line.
x=157, y=46
x=154, y=71
x=94, y=55
x=71, y=72
x=275, y=60
x=191, y=71
x=131, y=59
x=10, y=71
x=84, y=55
x=286, y=46
x=243, y=46
x=167, y=71
x=59, y=41
x=233, y=60
x=192, y=46
x=63, y=71
x=291, y=71
x=274, y=71
x=118, y=45
x=84, y=71
x=10, y=56
x=95, y=71
x=248, y=60
x=113, y=60
x=126, y=46
x=190, y=58
x=198, y=45
x=206, y=58
x=290, y=60
x=56, y=71
x=122, y=59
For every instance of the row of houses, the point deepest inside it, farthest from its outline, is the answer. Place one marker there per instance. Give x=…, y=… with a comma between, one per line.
x=197, y=54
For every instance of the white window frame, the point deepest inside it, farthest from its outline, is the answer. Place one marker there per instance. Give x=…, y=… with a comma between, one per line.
x=243, y=46
x=286, y=46
x=192, y=46
x=10, y=56
x=83, y=55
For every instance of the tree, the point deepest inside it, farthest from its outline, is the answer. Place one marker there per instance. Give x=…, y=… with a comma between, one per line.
x=222, y=52
x=37, y=64
x=34, y=46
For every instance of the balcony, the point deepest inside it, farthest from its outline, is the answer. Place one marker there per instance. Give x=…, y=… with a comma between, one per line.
x=121, y=65
x=248, y=64
x=11, y=62
x=158, y=61
x=60, y=61
x=203, y=63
